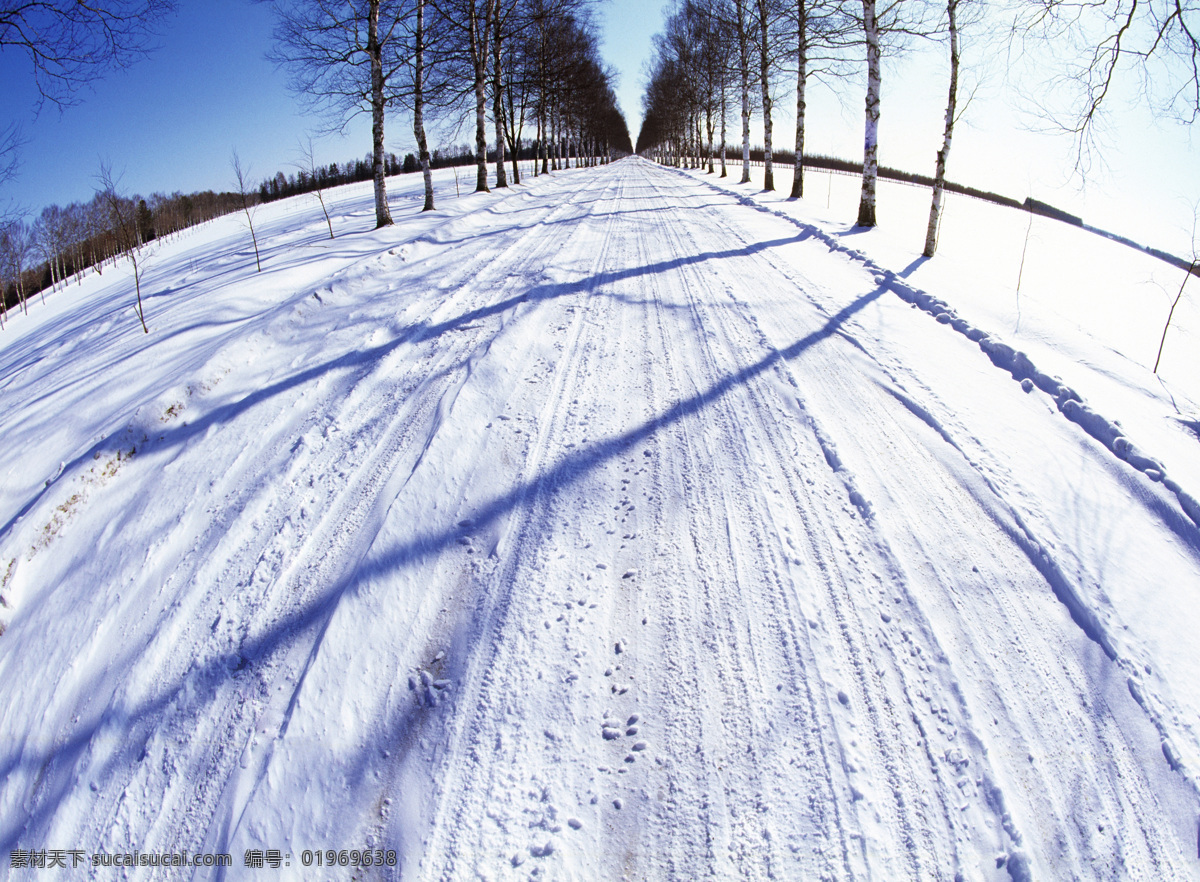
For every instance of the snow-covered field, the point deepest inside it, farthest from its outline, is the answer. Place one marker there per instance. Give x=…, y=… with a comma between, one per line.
x=625, y=524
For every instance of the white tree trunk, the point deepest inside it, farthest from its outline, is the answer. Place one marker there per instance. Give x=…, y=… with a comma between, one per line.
x=765, y=66
x=479, y=48
x=939, y=178
x=801, y=104
x=744, y=57
x=419, y=106
x=866, y=204
x=724, y=106
x=708, y=124
x=498, y=96
x=383, y=216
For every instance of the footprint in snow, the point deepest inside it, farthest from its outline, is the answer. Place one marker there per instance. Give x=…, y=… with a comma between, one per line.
x=428, y=690
x=612, y=729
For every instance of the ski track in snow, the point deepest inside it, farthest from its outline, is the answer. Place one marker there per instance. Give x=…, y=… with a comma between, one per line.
x=610, y=530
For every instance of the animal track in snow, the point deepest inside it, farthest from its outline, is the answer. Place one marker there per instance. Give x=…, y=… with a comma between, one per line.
x=611, y=730
x=428, y=690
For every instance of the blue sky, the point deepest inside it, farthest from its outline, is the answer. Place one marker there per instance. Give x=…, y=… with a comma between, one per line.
x=171, y=122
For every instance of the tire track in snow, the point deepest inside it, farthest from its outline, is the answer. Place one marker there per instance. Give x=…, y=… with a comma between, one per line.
x=400, y=406
x=478, y=802
x=411, y=433
x=883, y=437
x=761, y=634
x=890, y=729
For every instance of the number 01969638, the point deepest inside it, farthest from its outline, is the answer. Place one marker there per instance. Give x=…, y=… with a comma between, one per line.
x=348, y=858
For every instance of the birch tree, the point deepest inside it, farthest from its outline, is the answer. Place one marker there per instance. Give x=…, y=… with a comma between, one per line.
x=943, y=155
x=516, y=88
x=504, y=17
x=890, y=21
x=346, y=57
x=240, y=175
x=15, y=243
x=866, y=202
x=419, y=105
x=308, y=165
x=743, y=42
x=479, y=20
x=821, y=32
x=764, y=56
x=124, y=230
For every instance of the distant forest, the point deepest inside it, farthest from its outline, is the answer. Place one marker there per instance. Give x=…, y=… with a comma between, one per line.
x=63, y=243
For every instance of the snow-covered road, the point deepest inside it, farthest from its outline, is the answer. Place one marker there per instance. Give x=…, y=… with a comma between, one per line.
x=612, y=529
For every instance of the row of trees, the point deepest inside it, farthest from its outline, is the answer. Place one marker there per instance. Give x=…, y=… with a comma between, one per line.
x=715, y=55
x=314, y=178
x=532, y=64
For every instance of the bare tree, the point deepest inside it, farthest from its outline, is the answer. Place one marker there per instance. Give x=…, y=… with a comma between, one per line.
x=765, y=11
x=866, y=202
x=10, y=142
x=890, y=22
x=821, y=32
x=468, y=25
x=743, y=41
x=16, y=241
x=241, y=176
x=517, y=87
x=939, y=176
x=504, y=14
x=1093, y=43
x=1194, y=269
x=346, y=58
x=419, y=105
x=69, y=44
x=308, y=165
x=803, y=46
x=123, y=226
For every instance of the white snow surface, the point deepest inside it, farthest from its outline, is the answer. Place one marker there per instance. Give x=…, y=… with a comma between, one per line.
x=628, y=523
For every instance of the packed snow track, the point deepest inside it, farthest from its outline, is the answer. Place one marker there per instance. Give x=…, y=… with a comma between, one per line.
x=603, y=528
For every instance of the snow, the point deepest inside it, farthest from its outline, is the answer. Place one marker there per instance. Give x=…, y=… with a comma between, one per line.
x=629, y=523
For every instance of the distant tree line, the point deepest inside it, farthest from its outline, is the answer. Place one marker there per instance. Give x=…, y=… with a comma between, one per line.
x=61, y=244
x=282, y=185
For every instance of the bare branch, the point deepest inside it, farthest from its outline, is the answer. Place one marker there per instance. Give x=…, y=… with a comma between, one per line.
x=69, y=43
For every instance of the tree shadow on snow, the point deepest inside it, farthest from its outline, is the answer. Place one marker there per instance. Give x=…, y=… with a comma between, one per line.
x=306, y=626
